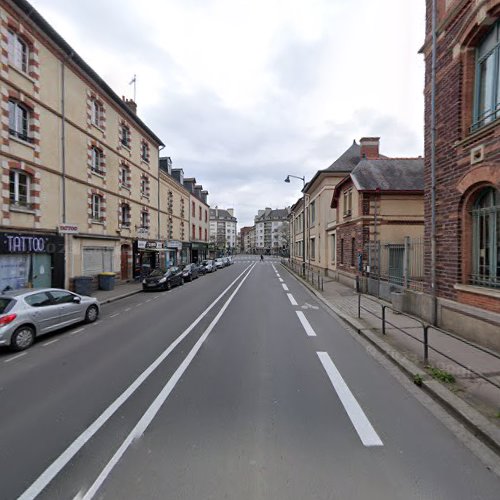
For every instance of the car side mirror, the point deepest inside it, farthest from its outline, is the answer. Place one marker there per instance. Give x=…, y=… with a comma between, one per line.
x=76, y=299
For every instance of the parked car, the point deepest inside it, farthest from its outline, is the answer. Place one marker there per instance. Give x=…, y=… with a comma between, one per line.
x=201, y=269
x=209, y=266
x=219, y=263
x=227, y=261
x=160, y=279
x=190, y=272
x=27, y=313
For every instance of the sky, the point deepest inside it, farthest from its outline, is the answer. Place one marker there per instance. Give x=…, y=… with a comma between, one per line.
x=245, y=92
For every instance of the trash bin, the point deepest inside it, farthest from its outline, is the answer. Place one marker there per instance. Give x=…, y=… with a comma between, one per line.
x=106, y=281
x=82, y=285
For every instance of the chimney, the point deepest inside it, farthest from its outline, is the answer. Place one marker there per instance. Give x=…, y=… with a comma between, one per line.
x=204, y=196
x=197, y=191
x=178, y=175
x=369, y=148
x=131, y=104
x=166, y=164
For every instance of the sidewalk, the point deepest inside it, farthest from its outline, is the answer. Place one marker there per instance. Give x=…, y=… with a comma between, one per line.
x=474, y=401
x=119, y=292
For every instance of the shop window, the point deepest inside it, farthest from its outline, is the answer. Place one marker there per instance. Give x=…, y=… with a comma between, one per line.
x=20, y=189
x=19, y=120
x=97, y=260
x=487, y=99
x=18, y=51
x=486, y=239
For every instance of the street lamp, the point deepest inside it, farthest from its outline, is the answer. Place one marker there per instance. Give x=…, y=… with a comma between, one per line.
x=303, y=179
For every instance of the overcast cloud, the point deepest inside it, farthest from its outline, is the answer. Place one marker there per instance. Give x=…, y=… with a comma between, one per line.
x=244, y=92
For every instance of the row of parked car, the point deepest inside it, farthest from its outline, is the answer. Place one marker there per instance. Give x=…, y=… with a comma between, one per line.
x=161, y=279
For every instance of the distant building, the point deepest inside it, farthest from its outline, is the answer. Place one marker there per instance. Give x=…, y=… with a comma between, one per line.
x=223, y=230
x=245, y=240
x=272, y=231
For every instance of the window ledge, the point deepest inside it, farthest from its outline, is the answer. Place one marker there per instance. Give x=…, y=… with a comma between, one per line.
x=97, y=127
x=478, y=290
x=23, y=210
x=22, y=73
x=97, y=222
x=97, y=174
x=20, y=141
x=122, y=186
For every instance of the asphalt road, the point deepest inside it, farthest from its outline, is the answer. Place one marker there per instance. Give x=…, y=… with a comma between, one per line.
x=239, y=385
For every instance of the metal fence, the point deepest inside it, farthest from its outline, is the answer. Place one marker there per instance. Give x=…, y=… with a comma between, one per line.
x=399, y=263
x=315, y=278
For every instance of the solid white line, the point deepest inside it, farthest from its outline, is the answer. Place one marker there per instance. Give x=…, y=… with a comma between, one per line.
x=114, y=315
x=51, y=342
x=292, y=300
x=53, y=469
x=77, y=331
x=285, y=287
x=365, y=430
x=155, y=406
x=307, y=327
x=15, y=357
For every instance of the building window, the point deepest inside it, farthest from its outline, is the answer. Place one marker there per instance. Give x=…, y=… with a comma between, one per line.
x=97, y=160
x=206, y=237
x=348, y=203
x=96, y=209
x=124, y=176
x=20, y=188
x=487, y=106
x=125, y=214
x=193, y=209
x=334, y=250
x=145, y=186
x=341, y=250
x=312, y=248
x=145, y=151
x=312, y=209
x=193, y=231
x=19, y=118
x=144, y=220
x=199, y=233
x=206, y=216
x=97, y=112
x=18, y=52
x=353, y=252
x=125, y=136
x=486, y=239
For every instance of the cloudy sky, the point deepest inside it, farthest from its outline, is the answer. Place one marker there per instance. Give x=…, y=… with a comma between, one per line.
x=244, y=92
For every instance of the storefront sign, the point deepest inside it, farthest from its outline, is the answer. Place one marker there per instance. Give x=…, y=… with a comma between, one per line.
x=68, y=229
x=174, y=244
x=141, y=244
x=149, y=245
x=142, y=232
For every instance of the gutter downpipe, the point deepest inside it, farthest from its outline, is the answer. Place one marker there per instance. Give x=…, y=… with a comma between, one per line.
x=433, y=166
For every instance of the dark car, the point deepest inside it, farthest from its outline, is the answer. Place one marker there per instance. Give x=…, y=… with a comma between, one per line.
x=190, y=272
x=160, y=279
x=201, y=269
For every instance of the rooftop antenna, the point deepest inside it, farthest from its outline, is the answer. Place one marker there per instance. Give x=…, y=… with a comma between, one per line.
x=134, y=81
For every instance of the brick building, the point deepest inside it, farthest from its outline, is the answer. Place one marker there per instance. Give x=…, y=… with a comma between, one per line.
x=467, y=165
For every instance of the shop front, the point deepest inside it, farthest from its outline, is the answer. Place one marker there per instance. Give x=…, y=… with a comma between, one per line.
x=31, y=260
x=174, y=252
x=186, y=253
x=148, y=255
x=199, y=252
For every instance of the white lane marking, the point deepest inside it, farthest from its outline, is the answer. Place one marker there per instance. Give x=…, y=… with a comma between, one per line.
x=365, y=430
x=128, y=309
x=285, y=287
x=155, y=406
x=139, y=304
x=156, y=296
x=292, y=300
x=77, y=331
x=149, y=300
x=114, y=315
x=53, y=469
x=50, y=342
x=15, y=357
x=307, y=326
x=280, y=280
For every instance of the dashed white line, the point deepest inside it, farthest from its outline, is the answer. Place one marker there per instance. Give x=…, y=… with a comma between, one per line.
x=50, y=342
x=280, y=280
x=139, y=304
x=77, y=331
x=15, y=357
x=156, y=296
x=307, y=326
x=114, y=315
x=291, y=299
x=284, y=287
x=128, y=309
x=359, y=420
x=149, y=300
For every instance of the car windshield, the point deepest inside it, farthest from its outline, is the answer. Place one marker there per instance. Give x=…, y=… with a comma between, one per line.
x=4, y=304
x=205, y=262
x=156, y=273
x=174, y=270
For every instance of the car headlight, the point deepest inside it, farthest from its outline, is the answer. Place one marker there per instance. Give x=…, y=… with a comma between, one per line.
x=162, y=280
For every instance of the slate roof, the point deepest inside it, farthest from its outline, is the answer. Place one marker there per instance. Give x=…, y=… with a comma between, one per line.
x=347, y=160
x=221, y=215
x=394, y=174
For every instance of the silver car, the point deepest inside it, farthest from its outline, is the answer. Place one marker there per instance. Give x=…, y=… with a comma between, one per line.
x=28, y=313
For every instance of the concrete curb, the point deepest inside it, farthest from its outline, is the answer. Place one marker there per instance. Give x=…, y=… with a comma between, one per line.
x=460, y=409
x=119, y=297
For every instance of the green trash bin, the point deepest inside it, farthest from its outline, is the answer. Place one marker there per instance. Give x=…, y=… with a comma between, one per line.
x=106, y=281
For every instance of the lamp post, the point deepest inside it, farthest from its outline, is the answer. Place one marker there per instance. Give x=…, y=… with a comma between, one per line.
x=303, y=179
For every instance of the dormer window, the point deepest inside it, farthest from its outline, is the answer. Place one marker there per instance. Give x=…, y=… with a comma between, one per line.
x=18, y=52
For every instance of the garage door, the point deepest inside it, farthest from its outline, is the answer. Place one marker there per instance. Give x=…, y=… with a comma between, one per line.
x=97, y=260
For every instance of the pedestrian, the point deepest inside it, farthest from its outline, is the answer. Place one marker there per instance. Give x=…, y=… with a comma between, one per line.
x=261, y=257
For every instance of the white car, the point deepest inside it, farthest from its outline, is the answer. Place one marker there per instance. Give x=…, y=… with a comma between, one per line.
x=219, y=263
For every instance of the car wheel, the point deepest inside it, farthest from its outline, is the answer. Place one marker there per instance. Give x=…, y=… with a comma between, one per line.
x=22, y=338
x=168, y=285
x=91, y=314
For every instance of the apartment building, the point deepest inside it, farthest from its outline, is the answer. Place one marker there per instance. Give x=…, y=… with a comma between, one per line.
x=198, y=219
x=79, y=167
x=467, y=167
x=272, y=231
x=223, y=230
x=245, y=239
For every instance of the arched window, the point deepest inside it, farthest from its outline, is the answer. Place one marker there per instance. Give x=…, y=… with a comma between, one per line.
x=487, y=106
x=486, y=239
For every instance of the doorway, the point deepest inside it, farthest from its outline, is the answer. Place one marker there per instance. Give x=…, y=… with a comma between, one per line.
x=124, y=268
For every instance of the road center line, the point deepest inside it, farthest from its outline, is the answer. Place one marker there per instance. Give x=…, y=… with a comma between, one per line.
x=307, y=326
x=292, y=300
x=280, y=280
x=365, y=430
x=155, y=406
x=15, y=357
x=50, y=342
x=284, y=287
x=77, y=331
x=60, y=462
x=128, y=309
